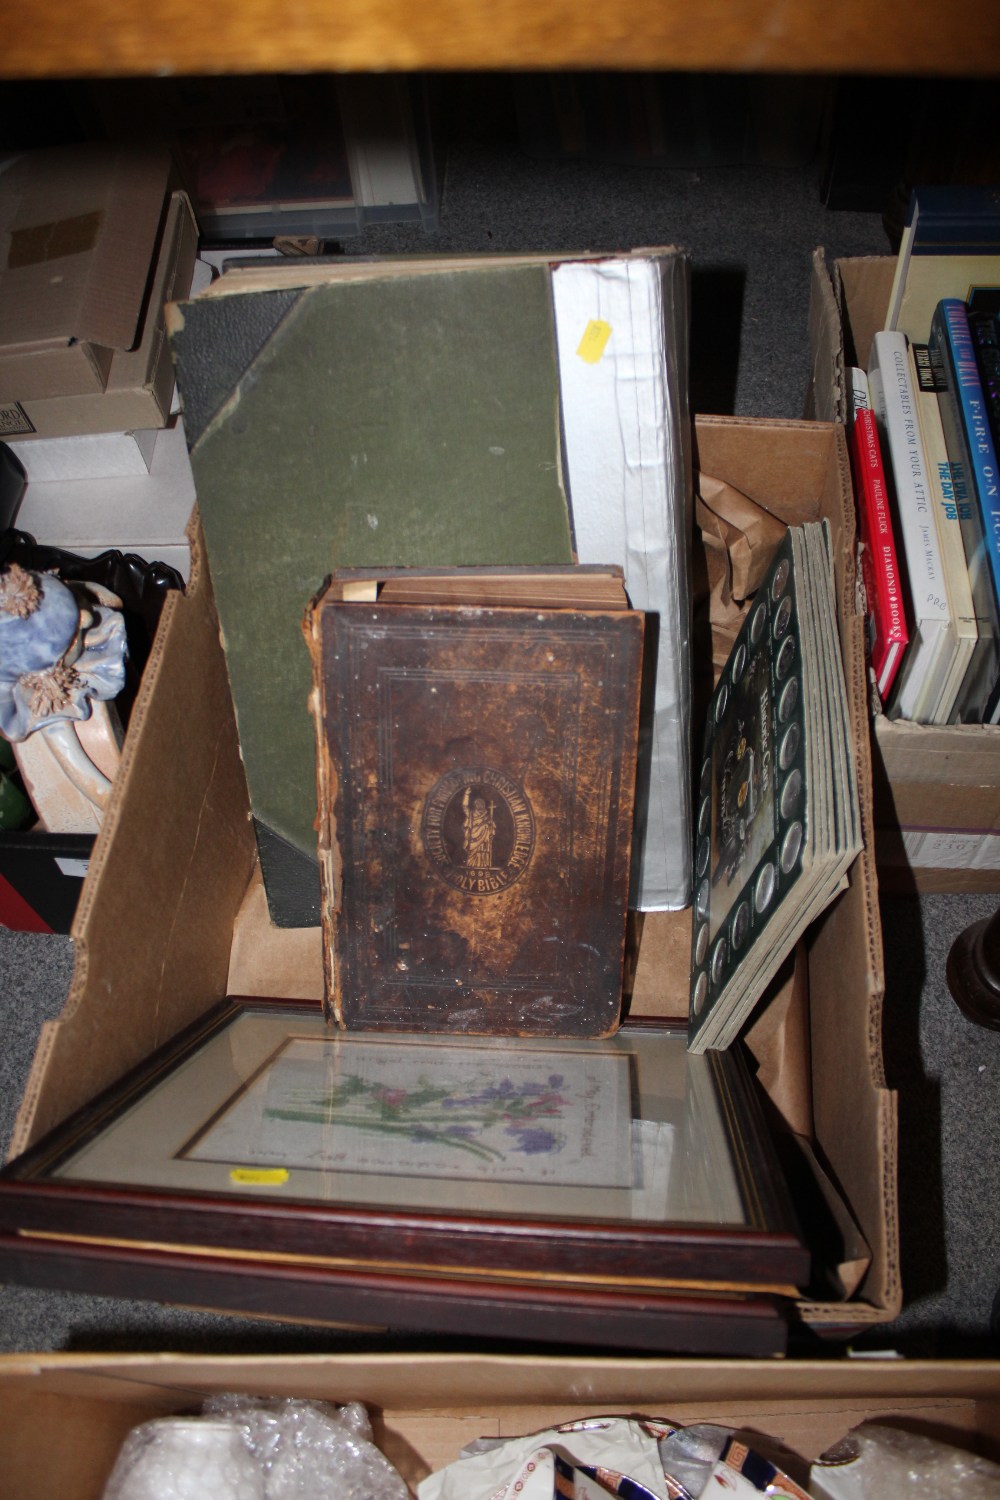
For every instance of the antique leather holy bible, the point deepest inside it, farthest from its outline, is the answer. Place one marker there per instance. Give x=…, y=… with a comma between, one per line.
x=476, y=771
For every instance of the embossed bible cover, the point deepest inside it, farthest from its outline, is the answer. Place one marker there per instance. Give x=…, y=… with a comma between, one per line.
x=476, y=772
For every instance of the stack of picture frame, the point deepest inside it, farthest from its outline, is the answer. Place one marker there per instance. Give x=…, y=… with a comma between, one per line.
x=619, y=1191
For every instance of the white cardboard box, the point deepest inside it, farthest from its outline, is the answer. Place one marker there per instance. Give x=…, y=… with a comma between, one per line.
x=144, y=513
x=91, y=455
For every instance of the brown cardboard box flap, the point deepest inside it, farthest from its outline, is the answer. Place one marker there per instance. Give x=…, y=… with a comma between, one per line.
x=825, y=397
x=153, y=928
x=78, y=227
x=848, y=302
x=779, y=1040
x=795, y=472
x=908, y=754
x=269, y=960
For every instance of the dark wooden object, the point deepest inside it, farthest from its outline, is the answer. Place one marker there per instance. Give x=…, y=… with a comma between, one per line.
x=682, y=1322
x=182, y=36
x=973, y=971
x=624, y=1284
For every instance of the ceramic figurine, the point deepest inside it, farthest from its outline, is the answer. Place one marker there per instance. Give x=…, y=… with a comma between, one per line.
x=62, y=663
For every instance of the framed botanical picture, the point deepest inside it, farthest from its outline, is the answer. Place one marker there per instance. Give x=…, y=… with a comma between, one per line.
x=590, y=1169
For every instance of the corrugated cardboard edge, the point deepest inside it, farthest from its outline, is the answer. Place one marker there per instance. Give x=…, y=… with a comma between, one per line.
x=155, y=964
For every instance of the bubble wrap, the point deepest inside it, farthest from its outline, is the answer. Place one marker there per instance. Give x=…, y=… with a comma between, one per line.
x=877, y=1462
x=310, y=1450
x=242, y=1448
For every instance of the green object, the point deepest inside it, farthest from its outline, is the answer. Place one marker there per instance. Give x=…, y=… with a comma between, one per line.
x=15, y=809
x=401, y=420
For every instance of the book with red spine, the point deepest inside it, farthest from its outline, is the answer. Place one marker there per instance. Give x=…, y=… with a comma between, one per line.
x=888, y=633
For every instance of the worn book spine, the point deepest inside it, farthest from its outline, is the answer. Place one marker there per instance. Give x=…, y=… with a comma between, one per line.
x=946, y=499
x=888, y=633
x=973, y=456
x=928, y=658
x=985, y=330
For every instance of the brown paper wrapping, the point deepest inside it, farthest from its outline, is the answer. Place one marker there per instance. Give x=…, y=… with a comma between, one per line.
x=739, y=539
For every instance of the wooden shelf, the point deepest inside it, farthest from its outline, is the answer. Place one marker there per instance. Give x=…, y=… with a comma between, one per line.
x=102, y=38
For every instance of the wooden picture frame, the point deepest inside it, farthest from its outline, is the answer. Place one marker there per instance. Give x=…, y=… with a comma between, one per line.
x=614, y=1190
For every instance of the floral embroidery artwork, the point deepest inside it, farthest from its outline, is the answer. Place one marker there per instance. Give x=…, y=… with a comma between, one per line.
x=367, y=1105
x=531, y=1114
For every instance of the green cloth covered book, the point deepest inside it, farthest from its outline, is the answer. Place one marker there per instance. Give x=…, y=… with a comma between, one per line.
x=391, y=420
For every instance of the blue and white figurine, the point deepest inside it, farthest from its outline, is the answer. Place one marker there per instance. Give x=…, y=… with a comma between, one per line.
x=62, y=658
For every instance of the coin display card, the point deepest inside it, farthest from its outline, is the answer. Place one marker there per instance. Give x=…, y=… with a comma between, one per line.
x=778, y=821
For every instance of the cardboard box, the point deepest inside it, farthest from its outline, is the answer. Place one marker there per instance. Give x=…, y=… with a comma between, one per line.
x=67, y=1415
x=172, y=916
x=138, y=375
x=90, y=455
x=936, y=789
x=145, y=513
x=78, y=225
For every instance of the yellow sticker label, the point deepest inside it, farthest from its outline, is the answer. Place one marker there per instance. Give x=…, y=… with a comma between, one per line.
x=594, y=341
x=259, y=1176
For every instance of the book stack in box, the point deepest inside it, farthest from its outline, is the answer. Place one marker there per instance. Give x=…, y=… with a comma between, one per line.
x=933, y=382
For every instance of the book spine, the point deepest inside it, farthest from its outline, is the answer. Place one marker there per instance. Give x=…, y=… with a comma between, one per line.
x=985, y=330
x=973, y=456
x=887, y=628
x=920, y=682
x=946, y=496
x=902, y=262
